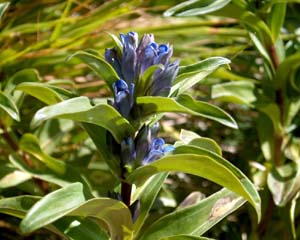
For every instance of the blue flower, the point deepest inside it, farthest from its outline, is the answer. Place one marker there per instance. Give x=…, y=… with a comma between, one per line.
x=123, y=97
x=137, y=57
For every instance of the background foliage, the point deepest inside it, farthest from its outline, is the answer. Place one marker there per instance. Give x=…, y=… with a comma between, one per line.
x=260, y=91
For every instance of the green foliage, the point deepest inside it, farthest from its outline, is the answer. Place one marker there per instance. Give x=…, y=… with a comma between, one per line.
x=72, y=163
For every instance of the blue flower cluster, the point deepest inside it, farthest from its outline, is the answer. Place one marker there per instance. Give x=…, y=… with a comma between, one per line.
x=130, y=64
x=146, y=147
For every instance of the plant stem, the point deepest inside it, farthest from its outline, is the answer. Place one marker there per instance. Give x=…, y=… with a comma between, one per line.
x=126, y=193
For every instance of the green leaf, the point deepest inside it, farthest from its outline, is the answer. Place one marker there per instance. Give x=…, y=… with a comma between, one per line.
x=25, y=75
x=190, y=75
x=186, y=136
x=117, y=42
x=80, y=109
x=10, y=176
x=46, y=174
x=44, y=92
x=7, y=104
x=207, y=144
x=29, y=143
x=203, y=163
x=195, y=219
x=284, y=183
x=238, y=92
x=146, y=80
x=276, y=19
x=52, y=207
x=284, y=69
x=113, y=213
x=17, y=206
x=195, y=8
x=273, y=112
x=99, y=65
x=3, y=8
x=184, y=104
x=79, y=229
x=148, y=193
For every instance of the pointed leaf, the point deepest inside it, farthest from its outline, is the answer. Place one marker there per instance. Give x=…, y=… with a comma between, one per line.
x=80, y=109
x=195, y=8
x=44, y=92
x=99, y=65
x=3, y=8
x=200, y=162
x=195, y=219
x=7, y=104
x=10, y=176
x=52, y=207
x=25, y=75
x=148, y=195
x=190, y=75
x=184, y=104
x=277, y=16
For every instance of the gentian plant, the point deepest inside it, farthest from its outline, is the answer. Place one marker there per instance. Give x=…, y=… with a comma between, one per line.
x=145, y=84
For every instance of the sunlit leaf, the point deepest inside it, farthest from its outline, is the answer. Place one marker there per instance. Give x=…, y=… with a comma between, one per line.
x=148, y=193
x=44, y=92
x=200, y=162
x=80, y=109
x=3, y=8
x=184, y=104
x=190, y=75
x=53, y=206
x=195, y=8
x=99, y=65
x=195, y=219
x=7, y=104
x=43, y=213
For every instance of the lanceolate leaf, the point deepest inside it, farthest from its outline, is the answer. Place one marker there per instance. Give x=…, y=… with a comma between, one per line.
x=190, y=75
x=195, y=7
x=277, y=17
x=70, y=201
x=7, y=104
x=3, y=8
x=99, y=65
x=148, y=194
x=200, y=162
x=44, y=92
x=195, y=219
x=52, y=207
x=80, y=109
x=184, y=104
